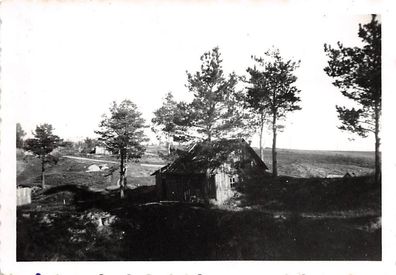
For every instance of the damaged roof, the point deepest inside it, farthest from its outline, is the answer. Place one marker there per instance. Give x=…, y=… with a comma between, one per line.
x=207, y=155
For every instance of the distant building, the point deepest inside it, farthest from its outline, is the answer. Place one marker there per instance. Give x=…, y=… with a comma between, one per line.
x=209, y=172
x=100, y=150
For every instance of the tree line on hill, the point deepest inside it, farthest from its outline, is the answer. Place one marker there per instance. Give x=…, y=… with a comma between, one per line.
x=232, y=106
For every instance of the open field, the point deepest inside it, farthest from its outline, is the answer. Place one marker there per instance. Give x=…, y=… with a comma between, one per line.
x=72, y=171
x=302, y=217
x=307, y=163
x=294, y=163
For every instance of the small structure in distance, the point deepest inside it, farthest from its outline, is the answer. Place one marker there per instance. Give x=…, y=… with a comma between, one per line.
x=101, y=150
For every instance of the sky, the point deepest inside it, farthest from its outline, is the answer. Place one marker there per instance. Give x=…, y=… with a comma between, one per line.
x=66, y=62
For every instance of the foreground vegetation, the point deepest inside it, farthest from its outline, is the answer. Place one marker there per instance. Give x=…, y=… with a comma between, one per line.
x=286, y=218
x=72, y=223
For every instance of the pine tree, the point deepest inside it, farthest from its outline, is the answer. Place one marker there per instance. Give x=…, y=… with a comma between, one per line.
x=122, y=133
x=43, y=143
x=357, y=73
x=272, y=93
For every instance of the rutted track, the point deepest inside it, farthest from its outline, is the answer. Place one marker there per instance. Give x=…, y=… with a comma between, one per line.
x=110, y=161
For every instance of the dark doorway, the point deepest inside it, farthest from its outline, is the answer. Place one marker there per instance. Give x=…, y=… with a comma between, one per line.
x=212, y=187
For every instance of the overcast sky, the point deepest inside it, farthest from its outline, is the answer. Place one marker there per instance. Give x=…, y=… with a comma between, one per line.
x=68, y=62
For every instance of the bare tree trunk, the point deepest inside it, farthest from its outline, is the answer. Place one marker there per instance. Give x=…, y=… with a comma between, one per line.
x=261, y=140
x=274, y=160
x=42, y=172
x=122, y=187
x=209, y=135
x=169, y=146
x=377, y=145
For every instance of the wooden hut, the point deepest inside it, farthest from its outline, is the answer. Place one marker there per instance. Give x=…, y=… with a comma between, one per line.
x=101, y=150
x=209, y=172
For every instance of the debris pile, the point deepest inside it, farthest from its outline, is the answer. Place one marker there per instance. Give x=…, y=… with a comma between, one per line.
x=100, y=219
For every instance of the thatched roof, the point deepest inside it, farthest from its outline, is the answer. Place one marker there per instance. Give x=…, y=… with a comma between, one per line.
x=207, y=155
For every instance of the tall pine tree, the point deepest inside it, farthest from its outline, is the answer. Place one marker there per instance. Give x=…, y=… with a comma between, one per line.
x=122, y=132
x=272, y=92
x=357, y=73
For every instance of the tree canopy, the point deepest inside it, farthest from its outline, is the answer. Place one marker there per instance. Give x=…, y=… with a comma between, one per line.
x=122, y=132
x=216, y=110
x=44, y=141
x=272, y=85
x=171, y=120
x=357, y=73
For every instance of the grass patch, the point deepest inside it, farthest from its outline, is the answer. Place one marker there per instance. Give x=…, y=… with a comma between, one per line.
x=312, y=194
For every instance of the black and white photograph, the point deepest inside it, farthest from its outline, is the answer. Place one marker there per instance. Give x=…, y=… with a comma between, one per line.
x=213, y=132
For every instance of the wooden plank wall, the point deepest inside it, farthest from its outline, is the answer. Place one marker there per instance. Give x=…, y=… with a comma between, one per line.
x=223, y=188
x=182, y=187
x=24, y=196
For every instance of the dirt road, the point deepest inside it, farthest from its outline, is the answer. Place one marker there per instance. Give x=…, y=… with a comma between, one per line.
x=110, y=161
x=89, y=159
